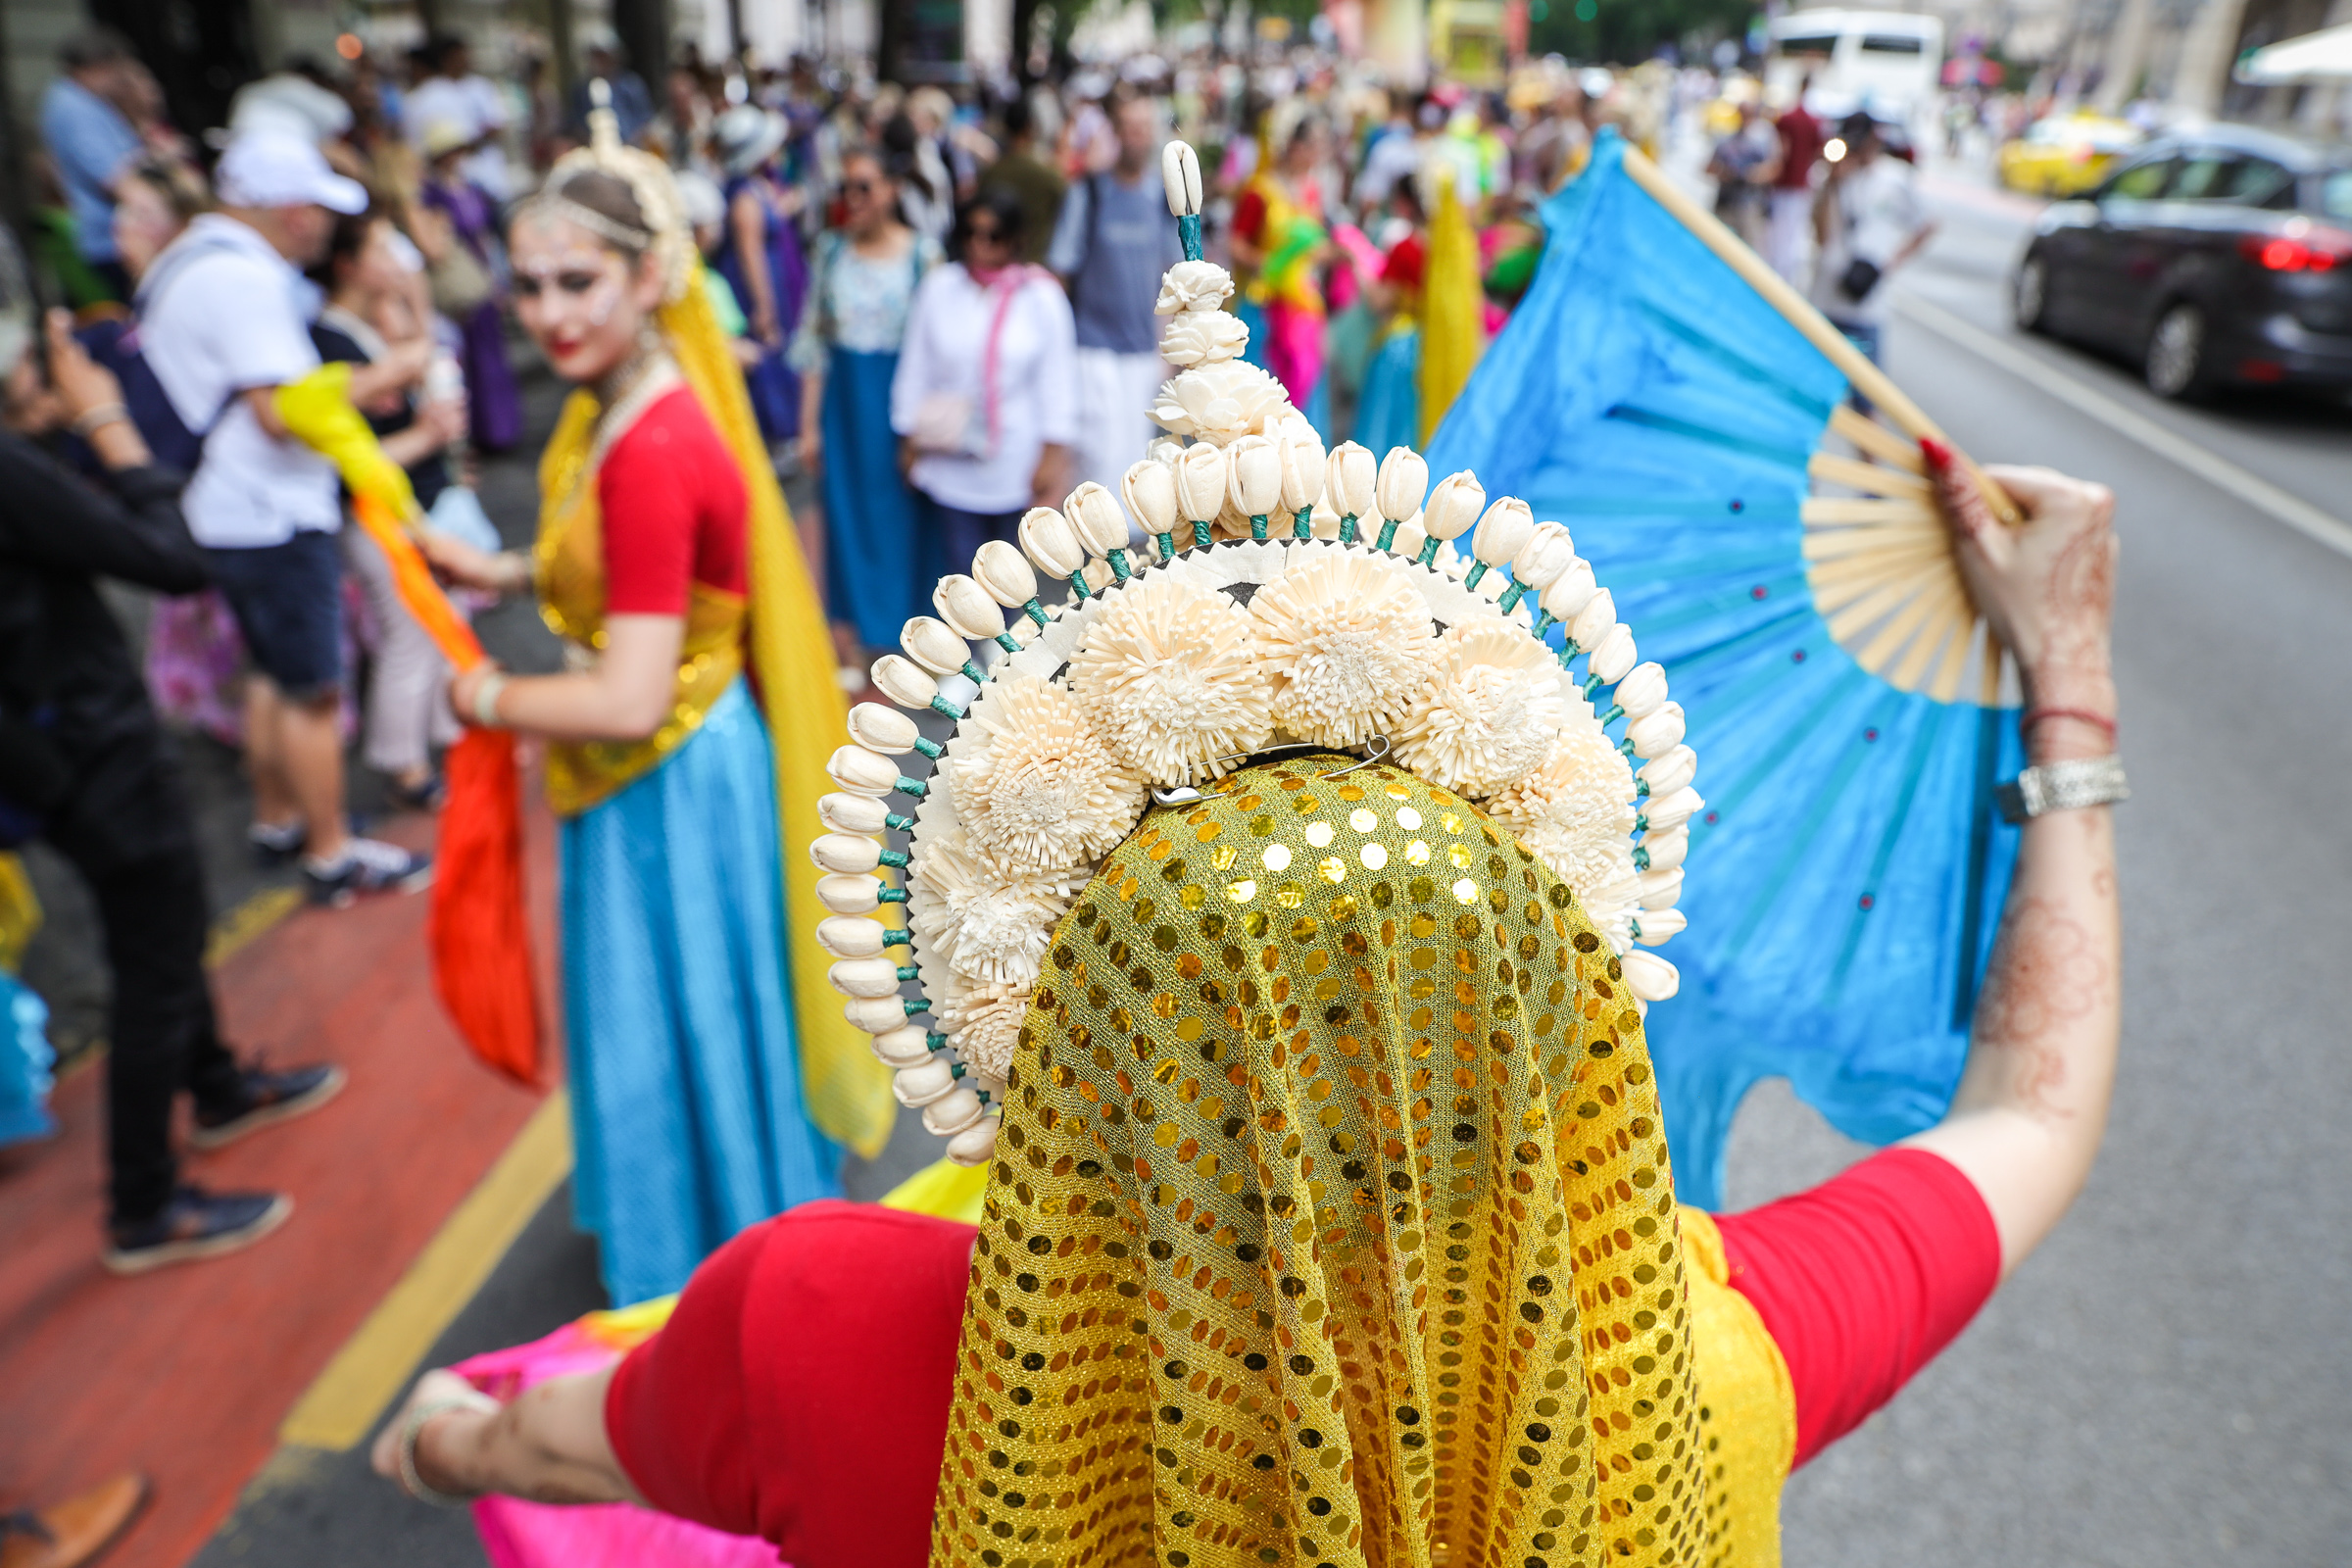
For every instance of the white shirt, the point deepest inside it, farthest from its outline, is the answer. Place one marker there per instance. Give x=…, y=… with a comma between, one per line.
x=1036, y=382
x=224, y=316
x=473, y=105
x=1877, y=210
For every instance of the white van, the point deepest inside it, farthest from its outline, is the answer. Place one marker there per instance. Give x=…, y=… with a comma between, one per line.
x=1888, y=61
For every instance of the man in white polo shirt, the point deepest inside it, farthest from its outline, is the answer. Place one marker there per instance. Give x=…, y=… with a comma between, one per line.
x=224, y=318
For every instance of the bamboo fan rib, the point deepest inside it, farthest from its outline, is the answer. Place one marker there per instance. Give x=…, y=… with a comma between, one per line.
x=1880, y=562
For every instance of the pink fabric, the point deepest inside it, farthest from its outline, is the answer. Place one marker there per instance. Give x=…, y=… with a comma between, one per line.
x=1295, y=349
x=531, y=1535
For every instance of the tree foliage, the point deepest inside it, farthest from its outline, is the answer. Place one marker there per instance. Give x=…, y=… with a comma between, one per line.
x=1627, y=31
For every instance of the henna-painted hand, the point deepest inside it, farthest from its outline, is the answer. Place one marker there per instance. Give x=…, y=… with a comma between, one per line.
x=2047, y=587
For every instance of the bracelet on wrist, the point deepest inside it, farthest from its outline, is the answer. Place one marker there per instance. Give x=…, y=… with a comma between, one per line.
x=411, y=1482
x=2080, y=716
x=485, y=699
x=89, y=422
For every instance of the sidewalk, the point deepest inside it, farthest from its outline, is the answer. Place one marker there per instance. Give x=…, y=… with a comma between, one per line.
x=187, y=1373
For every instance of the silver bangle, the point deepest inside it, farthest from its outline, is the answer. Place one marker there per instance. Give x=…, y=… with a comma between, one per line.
x=2063, y=787
x=485, y=699
x=414, y=1427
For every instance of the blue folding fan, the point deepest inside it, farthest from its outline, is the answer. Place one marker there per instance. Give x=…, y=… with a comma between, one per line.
x=1685, y=414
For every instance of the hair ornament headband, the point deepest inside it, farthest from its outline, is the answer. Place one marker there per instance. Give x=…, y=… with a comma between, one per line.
x=1289, y=598
x=666, y=237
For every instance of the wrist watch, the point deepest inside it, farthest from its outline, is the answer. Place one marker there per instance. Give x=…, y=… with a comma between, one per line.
x=2063, y=787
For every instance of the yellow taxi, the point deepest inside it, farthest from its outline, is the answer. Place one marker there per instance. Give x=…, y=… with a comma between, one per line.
x=2065, y=155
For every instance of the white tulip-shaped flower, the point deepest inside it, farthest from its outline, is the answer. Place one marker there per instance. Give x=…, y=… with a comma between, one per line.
x=1201, y=481
x=953, y=1111
x=846, y=894
x=1571, y=592
x=850, y=936
x=1179, y=176
x=968, y=608
x=1453, y=506
x=1095, y=513
x=1503, y=532
x=1592, y=622
x=907, y=1046
x=882, y=729
x=865, y=977
x=1202, y=337
x=1149, y=488
x=1544, y=559
x=852, y=814
x=1661, y=925
x=1351, y=478
x=1657, y=734
x=1614, y=658
x=844, y=852
x=934, y=645
x=1650, y=977
x=923, y=1083
x=1403, y=482
x=1642, y=692
x=1665, y=851
x=1670, y=772
x=1050, y=542
x=1302, y=471
x=1667, y=812
x=1193, y=286
x=1004, y=573
x=904, y=681
x=862, y=772
x=1253, y=476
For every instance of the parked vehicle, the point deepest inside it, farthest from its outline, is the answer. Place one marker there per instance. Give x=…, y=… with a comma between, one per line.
x=1887, y=62
x=2065, y=155
x=2220, y=257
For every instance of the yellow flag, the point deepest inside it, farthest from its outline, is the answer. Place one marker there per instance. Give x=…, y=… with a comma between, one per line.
x=1451, y=335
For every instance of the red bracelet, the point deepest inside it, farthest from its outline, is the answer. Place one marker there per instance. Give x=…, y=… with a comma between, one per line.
x=2033, y=716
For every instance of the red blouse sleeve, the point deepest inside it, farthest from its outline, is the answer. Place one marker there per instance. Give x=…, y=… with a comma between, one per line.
x=800, y=1392
x=1250, y=214
x=1863, y=1279
x=673, y=510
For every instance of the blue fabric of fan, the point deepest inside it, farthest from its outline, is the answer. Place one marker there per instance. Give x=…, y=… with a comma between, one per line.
x=687, y=1117
x=1844, y=881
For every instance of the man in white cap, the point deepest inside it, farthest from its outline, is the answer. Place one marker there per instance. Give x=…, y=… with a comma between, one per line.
x=226, y=321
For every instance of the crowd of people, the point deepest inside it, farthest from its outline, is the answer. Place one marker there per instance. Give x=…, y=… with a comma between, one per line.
x=941, y=315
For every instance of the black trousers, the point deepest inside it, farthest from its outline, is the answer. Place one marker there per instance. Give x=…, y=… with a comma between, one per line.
x=148, y=884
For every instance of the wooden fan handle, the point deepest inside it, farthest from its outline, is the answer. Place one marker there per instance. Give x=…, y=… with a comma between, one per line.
x=1838, y=348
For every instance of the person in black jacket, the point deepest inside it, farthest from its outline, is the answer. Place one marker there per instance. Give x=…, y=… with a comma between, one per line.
x=83, y=765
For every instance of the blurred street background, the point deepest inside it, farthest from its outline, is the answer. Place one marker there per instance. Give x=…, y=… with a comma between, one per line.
x=2132, y=263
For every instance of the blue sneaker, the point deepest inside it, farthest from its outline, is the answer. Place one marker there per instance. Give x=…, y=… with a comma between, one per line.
x=269, y=1097
x=195, y=1224
x=367, y=865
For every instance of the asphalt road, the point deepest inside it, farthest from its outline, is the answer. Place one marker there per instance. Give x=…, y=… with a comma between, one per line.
x=2167, y=1382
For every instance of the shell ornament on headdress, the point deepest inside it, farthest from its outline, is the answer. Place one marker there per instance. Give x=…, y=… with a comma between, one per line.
x=1290, y=599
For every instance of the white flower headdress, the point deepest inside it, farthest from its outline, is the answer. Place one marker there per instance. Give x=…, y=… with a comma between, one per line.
x=1289, y=596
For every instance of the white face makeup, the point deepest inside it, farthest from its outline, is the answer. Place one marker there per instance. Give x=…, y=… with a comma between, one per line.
x=575, y=297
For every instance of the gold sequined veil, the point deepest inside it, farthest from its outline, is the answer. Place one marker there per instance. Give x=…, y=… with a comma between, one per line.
x=1331, y=1220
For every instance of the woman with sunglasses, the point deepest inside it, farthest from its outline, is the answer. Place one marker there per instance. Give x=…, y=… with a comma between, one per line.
x=985, y=402
x=846, y=353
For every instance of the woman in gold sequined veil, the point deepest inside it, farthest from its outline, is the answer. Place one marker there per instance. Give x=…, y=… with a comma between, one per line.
x=1275, y=912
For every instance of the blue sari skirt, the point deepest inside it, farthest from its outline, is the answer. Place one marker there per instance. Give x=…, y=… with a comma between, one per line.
x=875, y=556
x=686, y=1110
x=1388, y=414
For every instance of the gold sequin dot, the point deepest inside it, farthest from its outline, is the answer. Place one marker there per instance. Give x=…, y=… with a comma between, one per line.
x=1362, y=820
x=1277, y=856
x=1465, y=890
x=1242, y=892
x=1331, y=868
x=1416, y=854
x=1407, y=818
x=1373, y=856
x=1318, y=834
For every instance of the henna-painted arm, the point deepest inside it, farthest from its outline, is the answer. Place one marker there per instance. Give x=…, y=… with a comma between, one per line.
x=2032, y=1101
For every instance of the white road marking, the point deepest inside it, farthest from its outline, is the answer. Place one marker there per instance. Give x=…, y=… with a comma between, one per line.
x=2216, y=471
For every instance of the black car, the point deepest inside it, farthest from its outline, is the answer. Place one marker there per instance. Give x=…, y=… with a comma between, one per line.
x=2219, y=258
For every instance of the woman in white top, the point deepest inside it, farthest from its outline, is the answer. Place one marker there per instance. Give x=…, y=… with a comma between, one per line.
x=985, y=400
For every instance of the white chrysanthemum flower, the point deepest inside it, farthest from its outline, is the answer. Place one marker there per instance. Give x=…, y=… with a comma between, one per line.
x=1204, y=337
x=987, y=1029
x=991, y=924
x=1574, y=813
x=1042, y=790
x=1193, y=286
x=1170, y=675
x=1488, y=717
x=1348, y=640
x=1220, y=402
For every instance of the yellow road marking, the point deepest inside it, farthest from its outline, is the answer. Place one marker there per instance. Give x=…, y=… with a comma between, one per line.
x=343, y=1405
x=241, y=925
